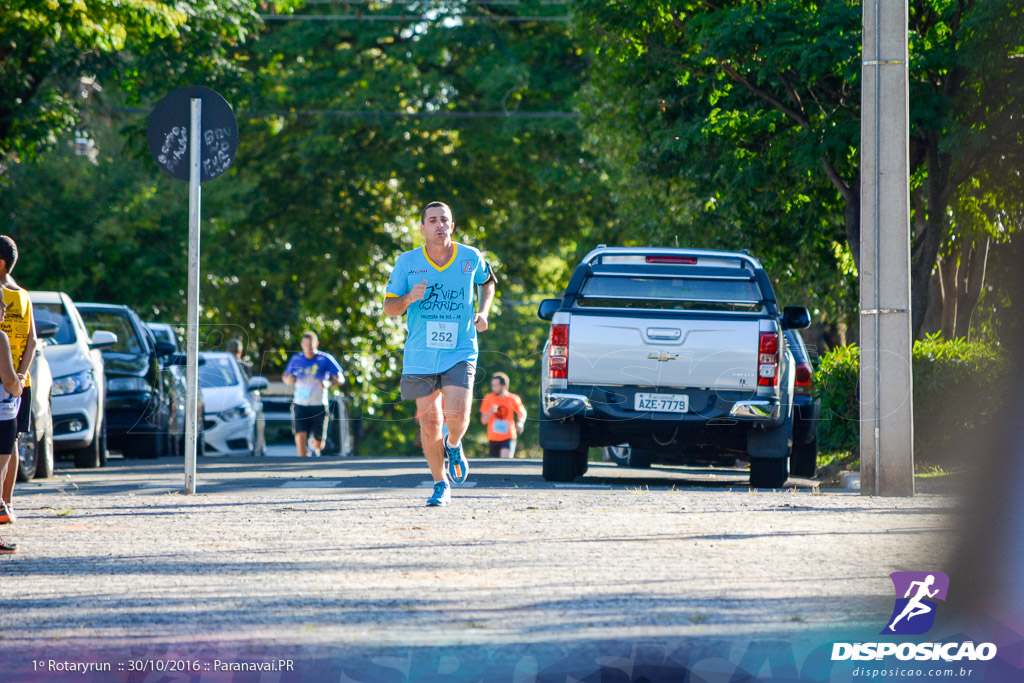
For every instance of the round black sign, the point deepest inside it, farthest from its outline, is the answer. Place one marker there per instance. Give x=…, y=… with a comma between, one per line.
x=168, y=133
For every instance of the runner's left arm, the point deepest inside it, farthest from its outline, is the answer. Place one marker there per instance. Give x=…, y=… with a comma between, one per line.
x=484, y=276
x=521, y=413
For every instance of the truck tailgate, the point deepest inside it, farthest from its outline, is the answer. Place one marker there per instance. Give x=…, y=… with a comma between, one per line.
x=663, y=352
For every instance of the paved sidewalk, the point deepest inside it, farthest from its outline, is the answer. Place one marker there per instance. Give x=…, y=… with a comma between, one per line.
x=337, y=551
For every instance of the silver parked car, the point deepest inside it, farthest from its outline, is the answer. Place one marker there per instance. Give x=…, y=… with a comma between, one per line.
x=79, y=391
x=233, y=412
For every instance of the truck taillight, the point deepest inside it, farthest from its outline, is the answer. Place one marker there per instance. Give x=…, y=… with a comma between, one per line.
x=804, y=383
x=768, y=360
x=691, y=260
x=558, y=352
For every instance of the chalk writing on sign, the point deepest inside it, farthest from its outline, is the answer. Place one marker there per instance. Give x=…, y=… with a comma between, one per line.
x=174, y=148
x=216, y=150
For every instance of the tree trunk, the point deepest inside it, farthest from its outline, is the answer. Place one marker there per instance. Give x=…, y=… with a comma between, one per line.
x=948, y=267
x=926, y=248
x=972, y=277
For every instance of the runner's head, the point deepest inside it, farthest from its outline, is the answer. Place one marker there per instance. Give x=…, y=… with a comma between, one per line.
x=234, y=347
x=436, y=222
x=8, y=254
x=309, y=343
x=499, y=383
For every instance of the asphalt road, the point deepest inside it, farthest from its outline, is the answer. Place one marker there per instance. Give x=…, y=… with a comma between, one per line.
x=343, y=551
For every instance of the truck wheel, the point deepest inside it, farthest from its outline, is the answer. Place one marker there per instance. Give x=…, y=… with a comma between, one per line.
x=804, y=461
x=582, y=461
x=618, y=454
x=561, y=465
x=768, y=473
x=640, y=458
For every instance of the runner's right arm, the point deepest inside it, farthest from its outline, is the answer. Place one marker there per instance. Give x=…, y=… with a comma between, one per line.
x=398, y=305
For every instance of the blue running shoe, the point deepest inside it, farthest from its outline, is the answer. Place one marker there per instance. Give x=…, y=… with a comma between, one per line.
x=458, y=467
x=442, y=494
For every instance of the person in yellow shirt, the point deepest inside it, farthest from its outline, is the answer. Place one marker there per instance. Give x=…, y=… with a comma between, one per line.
x=505, y=417
x=20, y=329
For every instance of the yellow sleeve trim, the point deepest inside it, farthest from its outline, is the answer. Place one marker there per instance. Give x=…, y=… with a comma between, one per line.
x=389, y=295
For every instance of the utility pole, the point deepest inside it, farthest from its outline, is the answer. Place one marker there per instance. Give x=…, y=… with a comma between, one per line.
x=886, y=380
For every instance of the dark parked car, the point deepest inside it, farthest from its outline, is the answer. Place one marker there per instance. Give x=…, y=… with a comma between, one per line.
x=803, y=462
x=145, y=385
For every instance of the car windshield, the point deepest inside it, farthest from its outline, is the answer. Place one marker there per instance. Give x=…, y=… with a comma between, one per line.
x=128, y=340
x=675, y=293
x=58, y=315
x=217, y=371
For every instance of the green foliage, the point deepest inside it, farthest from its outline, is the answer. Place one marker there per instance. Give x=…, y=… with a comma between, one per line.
x=741, y=119
x=957, y=387
x=56, y=55
x=303, y=229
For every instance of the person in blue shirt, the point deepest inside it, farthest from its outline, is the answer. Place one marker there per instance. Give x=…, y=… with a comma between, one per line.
x=435, y=287
x=312, y=373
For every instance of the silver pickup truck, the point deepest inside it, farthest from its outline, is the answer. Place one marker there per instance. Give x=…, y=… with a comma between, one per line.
x=668, y=350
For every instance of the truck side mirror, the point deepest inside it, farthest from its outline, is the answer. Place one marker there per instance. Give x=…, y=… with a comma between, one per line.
x=795, y=318
x=547, y=308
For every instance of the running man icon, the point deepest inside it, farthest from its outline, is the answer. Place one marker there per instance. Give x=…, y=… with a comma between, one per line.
x=920, y=590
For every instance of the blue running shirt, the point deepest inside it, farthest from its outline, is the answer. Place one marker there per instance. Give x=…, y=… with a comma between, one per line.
x=310, y=374
x=440, y=330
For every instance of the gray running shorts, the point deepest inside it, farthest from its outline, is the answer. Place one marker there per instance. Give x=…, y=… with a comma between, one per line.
x=418, y=386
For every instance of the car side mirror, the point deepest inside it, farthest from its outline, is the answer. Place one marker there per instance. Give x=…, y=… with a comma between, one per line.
x=46, y=330
x=795, y=318
x=182, y=359
x=258, y=384
x=547, y=308
x=165, y=349
x=102, y=339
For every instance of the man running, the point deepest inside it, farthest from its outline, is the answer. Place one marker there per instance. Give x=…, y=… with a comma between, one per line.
x=435, y=285
x=916, y=607
x=312, y=372
x=504, y=415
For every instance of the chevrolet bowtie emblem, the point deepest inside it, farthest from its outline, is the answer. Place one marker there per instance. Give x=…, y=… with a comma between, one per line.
x=662, y=357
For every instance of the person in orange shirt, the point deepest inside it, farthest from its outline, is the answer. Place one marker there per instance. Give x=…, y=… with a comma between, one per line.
x=497, y=411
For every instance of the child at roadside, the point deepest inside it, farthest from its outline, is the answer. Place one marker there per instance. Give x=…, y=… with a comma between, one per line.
x=20, y=329
x=10, y=400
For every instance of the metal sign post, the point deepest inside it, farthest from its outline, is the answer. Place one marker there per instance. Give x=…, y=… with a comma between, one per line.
x=192, y=325
x=194, y=123
x=886, y=380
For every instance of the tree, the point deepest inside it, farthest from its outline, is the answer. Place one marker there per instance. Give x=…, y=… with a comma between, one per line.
x=755, y=106
x=55, y=55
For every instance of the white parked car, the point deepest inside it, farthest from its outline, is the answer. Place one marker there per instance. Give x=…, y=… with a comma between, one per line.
x=233, y=419
x=78, y=386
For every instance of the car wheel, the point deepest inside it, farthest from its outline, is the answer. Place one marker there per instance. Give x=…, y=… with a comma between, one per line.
x=28, y=452
x=640, y=458
x=768, y=473
x=93, y=455
x=44, y=450
x=103, y=452
x=804, y=461
x=618, y=454
x=561, y=465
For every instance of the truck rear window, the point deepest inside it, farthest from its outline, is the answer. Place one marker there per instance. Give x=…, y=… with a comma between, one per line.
x=691, y=294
